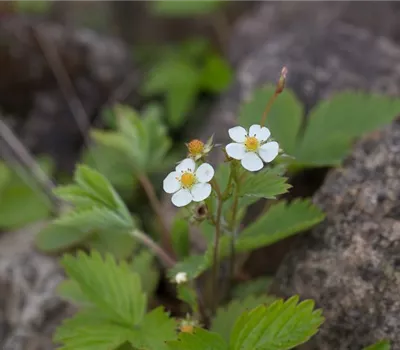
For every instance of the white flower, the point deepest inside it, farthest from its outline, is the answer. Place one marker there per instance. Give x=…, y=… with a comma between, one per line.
x=187, y=184
x=181, y=277
x=251, y=147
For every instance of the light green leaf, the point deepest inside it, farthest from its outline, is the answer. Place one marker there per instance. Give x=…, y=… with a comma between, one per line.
x=175, y=8
x=119, y=244
x=226, y=316
x=180, y=237
x=143, y=263
x=54, y=238
x=193, y=265
x=70, y=290
x=112, y=287
x=284, y=119
x=333, y=125
x=200, y=339
x=155, y=331
x=380, y=345
x=281, y=220
x=216, y=74
x=188, y=295
x=90, y=330
x=258, y=286
x=264, y=184
x=279, y=326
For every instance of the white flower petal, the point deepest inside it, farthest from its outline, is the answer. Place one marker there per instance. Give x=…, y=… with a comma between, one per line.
x=181, y=198
x=252, y=162
x=261, y=133
x=185, y=165
x=237, y=134
x=200, y=192
x=236, y=150
x=205, y=172
x=171, y=183
x=269, y=151
x=181, y=277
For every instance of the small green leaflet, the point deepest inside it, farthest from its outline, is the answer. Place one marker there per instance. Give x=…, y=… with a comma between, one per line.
x=175, y=8
x=380, y=345
x=256, y=286
x=226, y=316
x=200, y=339
x=279, y=326
x=180, y=237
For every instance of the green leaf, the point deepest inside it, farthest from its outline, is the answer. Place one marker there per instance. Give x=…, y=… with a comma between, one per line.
x=193, y=265
x=180, y=237
x=21, y=204
x=264, y=184
x=279, y=326
x=70, y=290
x=112, y=287
x=333, y=125
x=155, y=331
x=226, y=316
x=188, y=295
x=281, y=220
x=380, y=345
x=284, y=119
x=200, y=339
x=121, y=245
x=55, y=238
x=184, y=8
x=216, y=74
x=90, y=330
x=258, y=286
x=143, y=263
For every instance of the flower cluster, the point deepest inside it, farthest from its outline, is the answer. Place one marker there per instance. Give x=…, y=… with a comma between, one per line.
x=190, y=185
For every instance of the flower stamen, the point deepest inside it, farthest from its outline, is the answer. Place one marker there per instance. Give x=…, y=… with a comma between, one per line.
x=188, y=179
x=251, y=143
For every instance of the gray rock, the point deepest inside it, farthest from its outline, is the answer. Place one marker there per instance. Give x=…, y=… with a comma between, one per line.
x=350, y=264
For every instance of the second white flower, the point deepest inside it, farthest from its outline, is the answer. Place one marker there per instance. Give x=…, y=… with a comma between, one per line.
x=188, y=184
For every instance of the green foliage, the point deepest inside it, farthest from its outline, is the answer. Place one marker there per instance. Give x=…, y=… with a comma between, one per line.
x=21, y=202
x=258, y=286
x=226, y=316
x=117, y=315
x=143, y=263
x=180, y=237
x=174, y=8
x=279, y=326
x=181, y=74
x=98, y=217
x=282, y=220
x=32, y=6
x=380, y=345
x=330, y=128
x=200, y=339
x=70, y=290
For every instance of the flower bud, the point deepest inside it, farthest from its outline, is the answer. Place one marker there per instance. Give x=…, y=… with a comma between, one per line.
x=195, y=147
x=282, y=80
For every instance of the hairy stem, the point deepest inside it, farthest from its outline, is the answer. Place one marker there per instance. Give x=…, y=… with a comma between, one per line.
x=268, y=108
x=164, y=257
x=157, y=208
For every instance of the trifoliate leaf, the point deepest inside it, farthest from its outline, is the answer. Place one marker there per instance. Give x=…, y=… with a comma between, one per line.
x=90, y=330
x=279, y=326
x=264, y=184
x=143, y=263
x=380, y=345
x=258, y=286
x=155, y=331
x=55, y=238
x=281, y=220
x=284, y=118
x=180, y=237
x=333, y=124
x=226, y=316
x=216, y=75
x=175, y=8
x=70, y=290
x=200, y=339
x=112, y=287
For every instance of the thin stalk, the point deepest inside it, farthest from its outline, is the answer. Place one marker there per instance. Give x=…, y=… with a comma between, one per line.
x=268, y=107
x=157, y=208
x=232, y=258
x=164, y=257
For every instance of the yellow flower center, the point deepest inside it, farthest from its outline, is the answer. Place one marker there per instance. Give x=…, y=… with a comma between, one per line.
x=195, y=147
x=251, y=143
x=188, y=179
